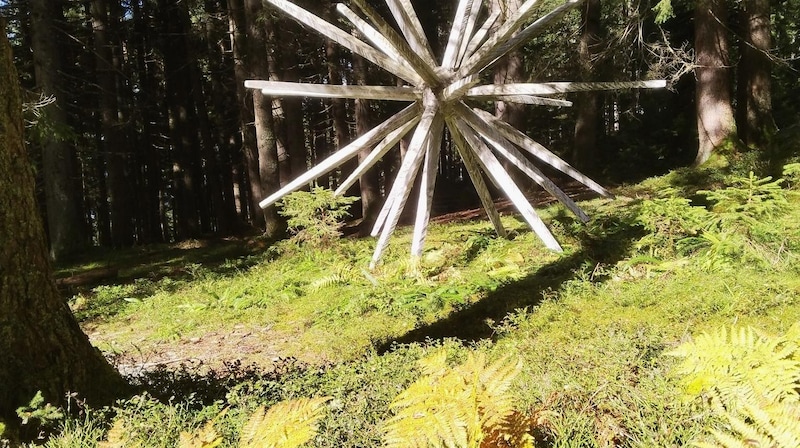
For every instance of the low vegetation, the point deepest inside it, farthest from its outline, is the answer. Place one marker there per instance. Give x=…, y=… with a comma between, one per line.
x=654, y=328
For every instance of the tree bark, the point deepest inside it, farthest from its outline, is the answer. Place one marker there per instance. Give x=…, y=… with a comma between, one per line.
x=43, y=348
x=754, y=105
x=369, y=182
x=114, y=141
x=183, y=133
x=715, y=121
x=238, y=25
x=59, y=163
x=258, y=67
x=587, y=107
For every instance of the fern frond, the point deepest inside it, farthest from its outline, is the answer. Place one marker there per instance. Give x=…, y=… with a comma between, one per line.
x=513, y=432
x=205, y=437
x=287, y=424
x=459, y=407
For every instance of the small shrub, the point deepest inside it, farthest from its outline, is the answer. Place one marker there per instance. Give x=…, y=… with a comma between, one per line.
x=315, y=217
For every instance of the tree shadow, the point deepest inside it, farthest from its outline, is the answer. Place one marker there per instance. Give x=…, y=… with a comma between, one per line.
x=607, y=246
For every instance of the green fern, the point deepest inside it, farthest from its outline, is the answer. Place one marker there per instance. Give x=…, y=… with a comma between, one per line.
x=467, y=406
x=751, y=381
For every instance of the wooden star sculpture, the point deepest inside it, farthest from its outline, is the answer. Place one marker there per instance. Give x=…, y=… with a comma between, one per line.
x=438, y=93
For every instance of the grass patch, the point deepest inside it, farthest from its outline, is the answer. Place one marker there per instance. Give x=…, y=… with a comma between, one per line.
x=592, y=326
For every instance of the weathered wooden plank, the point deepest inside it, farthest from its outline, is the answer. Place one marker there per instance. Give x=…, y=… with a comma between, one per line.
x=410, y=26
x=344, y=39
x=479, y=37
x=492, y=167
x=427, y=184
x=346, y=153
x=486, y=53
x=408, y=171
x=529, y=99
x=534, y=148
x=457, y=31
x=459, y=88
x=422, y=68
x=408, y=167
x=379, y=40
x=380, y=150
x=506, y=149
x=469, y=30
x=552, y=88
x=526, y=34
x=474, y=172
x=280, y=88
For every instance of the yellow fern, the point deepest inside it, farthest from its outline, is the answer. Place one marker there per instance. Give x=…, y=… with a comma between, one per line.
x=205, y=437
x=466, y=406
x=117, y=436
x=287, y=424
x=752, y=382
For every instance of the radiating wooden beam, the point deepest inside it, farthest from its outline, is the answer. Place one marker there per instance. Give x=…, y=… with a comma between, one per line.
x=552, y=88
x=346, y=153
x=344, y=39
x=380, y=150
x=506, y=149
x=527, y=33
x=474, y=172
x=469, y=30
x=529, y=99
x=408, y=171
x=280, y=88
x=486, y=53
x=492, y=167
x=423, y=68
x=430, y=167
x=534, y=148
x=380, y=41
x=410, y=26
x=479, y=37
x=457, y=32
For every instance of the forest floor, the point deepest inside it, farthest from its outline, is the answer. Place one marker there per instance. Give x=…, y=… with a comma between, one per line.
x=222, y=327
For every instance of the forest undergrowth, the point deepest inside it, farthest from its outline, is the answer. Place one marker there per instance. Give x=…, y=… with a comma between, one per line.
x=600, y=346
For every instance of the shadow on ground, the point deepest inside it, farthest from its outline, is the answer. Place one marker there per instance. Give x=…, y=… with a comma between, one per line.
x=473, y=323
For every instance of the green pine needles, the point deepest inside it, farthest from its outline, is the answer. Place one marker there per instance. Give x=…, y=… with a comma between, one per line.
x=751, y=381
x=315, y=217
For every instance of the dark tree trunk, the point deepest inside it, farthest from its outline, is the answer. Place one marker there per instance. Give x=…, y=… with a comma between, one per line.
x=510, y=69
x=258, y=67
x=588, y=107
x=114, y=142
x=59, y=163
x=754, y=105
x=369, y=182
x=43, y=348
x=238, y=25
x=183, y=134
x=341, y=130
x=715, y=122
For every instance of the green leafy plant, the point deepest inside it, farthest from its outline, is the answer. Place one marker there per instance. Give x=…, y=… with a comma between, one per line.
x=315, y=216
x=39, y=413
x=466, y=406
x=668, y=219
x=750, y=380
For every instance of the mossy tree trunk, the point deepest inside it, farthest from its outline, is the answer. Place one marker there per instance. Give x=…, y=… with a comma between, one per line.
x=42, y=346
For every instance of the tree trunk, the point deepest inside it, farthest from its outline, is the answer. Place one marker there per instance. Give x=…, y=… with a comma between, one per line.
x=587, y=106
x=43, y=348
x=114, y=141
x=59, y=163
x=238, y=25
x=510, y=69
x=183, y=134
x=715, y=122
x=754, y=105
x=267, y=157
x=341, y=130
x=369, y=185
